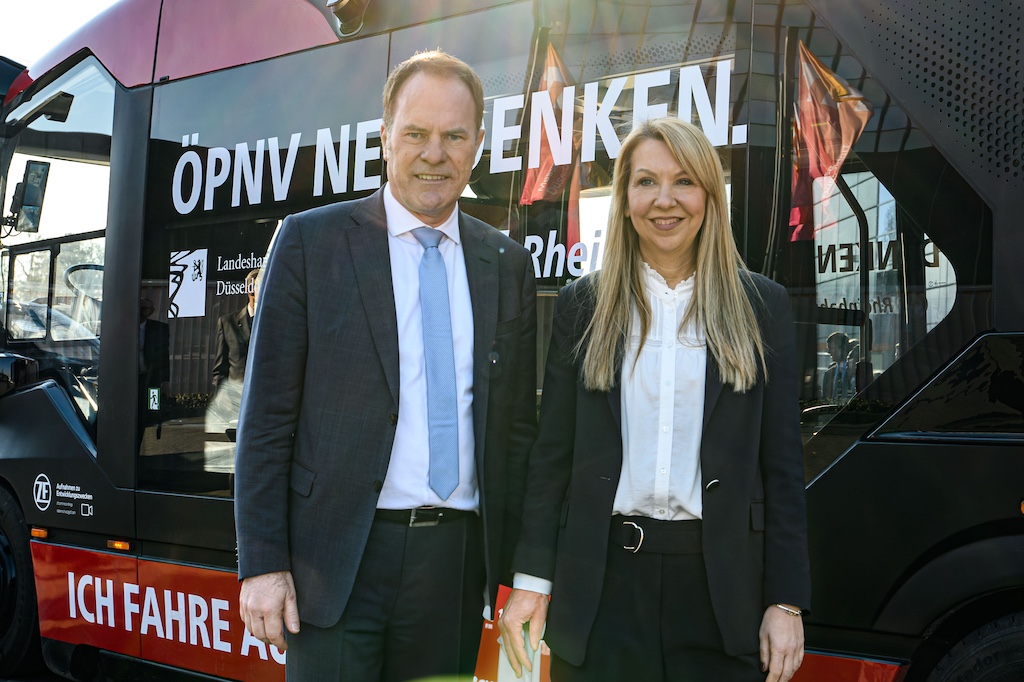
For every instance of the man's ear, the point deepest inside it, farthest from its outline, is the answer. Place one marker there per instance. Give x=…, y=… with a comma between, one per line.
x=383, y=142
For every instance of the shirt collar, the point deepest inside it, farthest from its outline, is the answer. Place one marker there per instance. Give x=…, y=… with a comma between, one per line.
x=401, y=221
x=657, y=285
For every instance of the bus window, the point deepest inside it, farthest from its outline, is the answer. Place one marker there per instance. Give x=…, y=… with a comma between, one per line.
x=217, y=189
x=882, y=244
x=27, y=314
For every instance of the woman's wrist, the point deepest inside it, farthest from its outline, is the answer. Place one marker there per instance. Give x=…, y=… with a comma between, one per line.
x=791, y=610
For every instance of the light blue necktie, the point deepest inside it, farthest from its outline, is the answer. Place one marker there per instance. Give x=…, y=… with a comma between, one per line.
x=439, y=354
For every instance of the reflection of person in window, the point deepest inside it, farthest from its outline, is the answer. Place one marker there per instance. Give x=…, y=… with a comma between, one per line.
x=837, y=385
x=233, y=332
x=154, y=365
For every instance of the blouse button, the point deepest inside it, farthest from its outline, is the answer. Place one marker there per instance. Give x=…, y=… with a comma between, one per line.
x=712, y=484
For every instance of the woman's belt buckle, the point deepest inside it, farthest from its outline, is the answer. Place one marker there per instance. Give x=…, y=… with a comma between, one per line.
x=636, y=548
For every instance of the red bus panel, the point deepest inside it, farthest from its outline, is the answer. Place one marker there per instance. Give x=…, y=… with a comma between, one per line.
x=180, y=616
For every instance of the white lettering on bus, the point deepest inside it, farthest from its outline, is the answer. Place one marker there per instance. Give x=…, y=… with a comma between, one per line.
x=693, y=93
x=174, y=615
x=250, y=172
x=597, y=119
x=643, y=83
x=282, y=178
x=559, y=137
x=558, y=259
x=104, y=601
x=191, y=619
x=151, y=614
x=366, y=154
x=191, y=181
x=181, y=204
x=502, y=133
x=218, y=168
x=337, y=165
x=131, y=604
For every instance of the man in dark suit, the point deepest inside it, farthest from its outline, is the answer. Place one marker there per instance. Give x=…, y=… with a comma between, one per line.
x=233, y=331
x=343, y=522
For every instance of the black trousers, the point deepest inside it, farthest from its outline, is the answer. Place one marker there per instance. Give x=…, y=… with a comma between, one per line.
x=655, y=623
x=415, y=610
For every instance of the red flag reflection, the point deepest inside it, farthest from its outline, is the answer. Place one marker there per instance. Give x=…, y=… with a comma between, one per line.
x=548, y=181
x=828, y=119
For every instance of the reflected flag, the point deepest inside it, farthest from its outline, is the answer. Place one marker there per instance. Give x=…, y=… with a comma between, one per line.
x=828, y=119
x=547, y=181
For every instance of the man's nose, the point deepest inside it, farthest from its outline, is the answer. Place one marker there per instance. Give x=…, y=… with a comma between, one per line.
x=433, y=150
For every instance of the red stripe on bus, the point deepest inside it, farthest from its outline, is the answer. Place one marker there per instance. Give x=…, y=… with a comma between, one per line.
x=823, y=668
x=181, y=616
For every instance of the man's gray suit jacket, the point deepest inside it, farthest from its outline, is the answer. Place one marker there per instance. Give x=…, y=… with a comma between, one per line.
x=320, y=405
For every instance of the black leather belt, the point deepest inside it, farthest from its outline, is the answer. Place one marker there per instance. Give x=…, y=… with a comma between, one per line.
x=422, y=516
x=643, y=534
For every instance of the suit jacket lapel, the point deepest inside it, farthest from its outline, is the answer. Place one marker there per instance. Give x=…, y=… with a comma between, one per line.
x=368, y=248
x=244, y=323
x=482, y=273
x=712, y=389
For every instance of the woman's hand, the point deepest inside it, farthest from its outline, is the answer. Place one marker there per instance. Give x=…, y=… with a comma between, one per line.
x=523, y=609
x=782, y=644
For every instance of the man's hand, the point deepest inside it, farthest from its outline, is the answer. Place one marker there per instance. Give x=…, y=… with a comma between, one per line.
x=782, y=644
x=265, y=602
x=522, y=608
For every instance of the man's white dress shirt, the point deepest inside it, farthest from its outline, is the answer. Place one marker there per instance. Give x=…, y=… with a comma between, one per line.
x=406, y=485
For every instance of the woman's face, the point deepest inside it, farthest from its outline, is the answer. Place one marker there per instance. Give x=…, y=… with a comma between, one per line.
x=665, y=205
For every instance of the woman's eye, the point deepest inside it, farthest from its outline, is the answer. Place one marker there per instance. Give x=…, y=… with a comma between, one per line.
x=645, y=182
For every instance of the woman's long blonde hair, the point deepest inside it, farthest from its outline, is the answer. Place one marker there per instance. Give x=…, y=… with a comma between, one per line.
x=720, y=303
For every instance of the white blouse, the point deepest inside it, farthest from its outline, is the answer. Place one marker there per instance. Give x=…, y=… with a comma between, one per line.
x=663, y=409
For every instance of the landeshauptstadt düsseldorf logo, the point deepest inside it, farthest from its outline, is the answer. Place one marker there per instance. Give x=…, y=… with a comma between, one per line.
x=42, y=492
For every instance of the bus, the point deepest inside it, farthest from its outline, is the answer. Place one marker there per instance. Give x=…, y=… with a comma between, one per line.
x=874, y=155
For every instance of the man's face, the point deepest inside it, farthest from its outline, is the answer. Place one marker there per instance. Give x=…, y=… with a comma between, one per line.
x=431, y=146
x=145, y=310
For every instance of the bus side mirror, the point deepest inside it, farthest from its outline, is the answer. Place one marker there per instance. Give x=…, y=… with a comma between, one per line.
x=27, y=201
x=16, y=371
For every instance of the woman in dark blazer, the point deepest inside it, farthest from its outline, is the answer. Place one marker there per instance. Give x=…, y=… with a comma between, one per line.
x=665, y=510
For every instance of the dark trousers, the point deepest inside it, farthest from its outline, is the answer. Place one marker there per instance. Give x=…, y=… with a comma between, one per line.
x=415, y=610
x=655, y=623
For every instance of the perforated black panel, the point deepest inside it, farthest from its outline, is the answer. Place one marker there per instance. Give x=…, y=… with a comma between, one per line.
x=966, y=61
x=956, y=67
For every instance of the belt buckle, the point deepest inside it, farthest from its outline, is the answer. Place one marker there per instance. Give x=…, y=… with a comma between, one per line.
x=636, y=548
x=413, y=523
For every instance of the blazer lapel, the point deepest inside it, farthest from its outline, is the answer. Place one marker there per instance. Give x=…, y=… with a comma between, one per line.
x=712, y=389
x=615, y=403
x=368, y=247
x=482, y=273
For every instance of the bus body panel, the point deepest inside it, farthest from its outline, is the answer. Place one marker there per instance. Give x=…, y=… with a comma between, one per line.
x=50, y=463
x=177, y=615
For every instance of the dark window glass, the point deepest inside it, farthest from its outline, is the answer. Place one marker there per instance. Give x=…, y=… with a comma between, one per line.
x=888, y=262
x=981, y=393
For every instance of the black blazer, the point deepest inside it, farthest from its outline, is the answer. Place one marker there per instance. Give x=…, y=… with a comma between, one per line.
x=754, y=525
x=233, y=331
x=320, y=402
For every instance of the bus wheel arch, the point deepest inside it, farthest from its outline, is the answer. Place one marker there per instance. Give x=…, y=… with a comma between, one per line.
x=19, y=622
